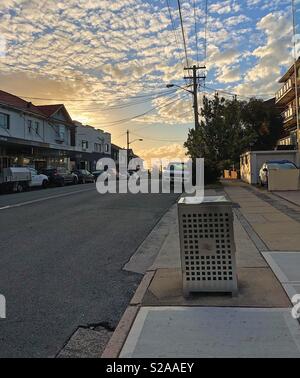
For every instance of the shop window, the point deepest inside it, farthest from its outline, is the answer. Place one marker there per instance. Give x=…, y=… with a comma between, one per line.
x=4, y=121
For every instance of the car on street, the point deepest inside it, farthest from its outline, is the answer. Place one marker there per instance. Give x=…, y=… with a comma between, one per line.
x=38, y=179
x=97, y=173
x=273, y=164
x=176, y=172
x=84, y=176
x=60, y=176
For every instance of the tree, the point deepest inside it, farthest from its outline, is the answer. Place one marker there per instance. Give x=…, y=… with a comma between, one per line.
x=229, y=127
x=262, y=118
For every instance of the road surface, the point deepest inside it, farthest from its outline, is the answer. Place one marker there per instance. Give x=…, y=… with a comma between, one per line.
x=61, y=256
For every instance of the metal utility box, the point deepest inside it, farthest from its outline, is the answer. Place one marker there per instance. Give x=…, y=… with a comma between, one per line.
x=207, y=245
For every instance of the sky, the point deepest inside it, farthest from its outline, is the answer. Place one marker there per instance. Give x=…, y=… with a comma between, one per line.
x=102, y=58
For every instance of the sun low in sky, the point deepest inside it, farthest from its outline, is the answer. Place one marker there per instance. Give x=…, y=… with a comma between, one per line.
x=109, y=61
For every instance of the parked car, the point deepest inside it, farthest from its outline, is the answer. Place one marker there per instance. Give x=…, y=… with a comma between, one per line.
x=176, y=172
x=97, y=173
x=60, y=176
x=15, y=179
x=84, y=176
x=38, y=179
x=273, y=164
x=110, y=172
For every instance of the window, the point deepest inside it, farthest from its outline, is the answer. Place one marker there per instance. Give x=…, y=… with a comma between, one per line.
x=98, y=147
x=29, y=125
x=37, y=127
x=106, y=148
x=4, y=121
x=33, y=171
x=62, y=131
x=85, y=144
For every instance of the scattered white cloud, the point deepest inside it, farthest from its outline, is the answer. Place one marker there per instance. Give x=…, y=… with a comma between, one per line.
x=108, y=50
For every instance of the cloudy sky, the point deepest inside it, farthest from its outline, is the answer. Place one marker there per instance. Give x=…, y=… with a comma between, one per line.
x=101, y=58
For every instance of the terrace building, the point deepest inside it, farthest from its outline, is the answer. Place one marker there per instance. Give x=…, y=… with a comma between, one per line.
x=37, y=136
x=91, y=145
x=285, y=98
x=46, y=137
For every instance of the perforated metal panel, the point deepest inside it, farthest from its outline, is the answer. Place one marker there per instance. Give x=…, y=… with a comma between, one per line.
x=207, y=245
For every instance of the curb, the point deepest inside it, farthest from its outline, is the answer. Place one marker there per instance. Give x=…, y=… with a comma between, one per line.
x=116, y=342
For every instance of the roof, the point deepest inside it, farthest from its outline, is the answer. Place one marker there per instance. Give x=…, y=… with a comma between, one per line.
x=49, y=110
x=289, y=72
x=19, y=103
x=278, y=161
x=116, y=147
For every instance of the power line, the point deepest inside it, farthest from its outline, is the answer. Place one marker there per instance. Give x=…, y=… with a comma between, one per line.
x=173, y=27
x=183, y=33
x=157, y=139
x=196, y=31
x=125, y=120
x=248, y=96
x=87, y=108
x=205, y=31
x=119, y=107
x=150, y=95
x=147, y=126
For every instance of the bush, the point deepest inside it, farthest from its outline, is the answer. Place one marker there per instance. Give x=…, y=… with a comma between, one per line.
x=212, y=172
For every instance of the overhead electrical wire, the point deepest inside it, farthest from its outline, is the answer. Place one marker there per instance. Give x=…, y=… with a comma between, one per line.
x=174, y=29
x=196, y=32
x=183, y=33
x=87, y=108
x=248, y=96
x=157, y=139
x=205, y=31
x=150, y=95
x=125, y=120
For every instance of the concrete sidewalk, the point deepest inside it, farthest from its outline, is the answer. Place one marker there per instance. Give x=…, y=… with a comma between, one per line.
x=256, y=323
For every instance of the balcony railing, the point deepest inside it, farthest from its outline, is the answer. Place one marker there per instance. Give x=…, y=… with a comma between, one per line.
x=290, y=115
x=287, y=87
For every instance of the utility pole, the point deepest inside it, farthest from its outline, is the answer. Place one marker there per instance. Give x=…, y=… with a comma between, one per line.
x=195, y=79
x=128, y=142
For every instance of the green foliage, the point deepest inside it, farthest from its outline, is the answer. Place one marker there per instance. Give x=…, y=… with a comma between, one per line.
x=228, y=128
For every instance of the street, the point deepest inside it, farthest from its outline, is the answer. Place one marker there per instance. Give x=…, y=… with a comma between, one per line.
x=62, y=253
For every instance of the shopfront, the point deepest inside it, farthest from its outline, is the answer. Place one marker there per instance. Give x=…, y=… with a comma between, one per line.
x=14, y=152
x=85, y=160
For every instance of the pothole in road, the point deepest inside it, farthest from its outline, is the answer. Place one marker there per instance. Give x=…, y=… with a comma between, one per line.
x=87, y=342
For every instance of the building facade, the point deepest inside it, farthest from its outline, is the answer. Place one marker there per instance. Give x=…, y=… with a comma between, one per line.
x=46, y=137
x=285, y=98
x=32, y=135
x=91, y=145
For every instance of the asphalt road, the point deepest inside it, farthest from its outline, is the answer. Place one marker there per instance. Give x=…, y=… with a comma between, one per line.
x=61, y=256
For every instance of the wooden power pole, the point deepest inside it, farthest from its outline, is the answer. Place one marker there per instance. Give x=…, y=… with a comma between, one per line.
x=195, y=79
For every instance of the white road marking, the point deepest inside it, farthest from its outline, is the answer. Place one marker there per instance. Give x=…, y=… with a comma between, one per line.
x=44, y=199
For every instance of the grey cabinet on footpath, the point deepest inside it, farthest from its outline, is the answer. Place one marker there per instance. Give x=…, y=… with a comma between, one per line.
x=207, y=245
